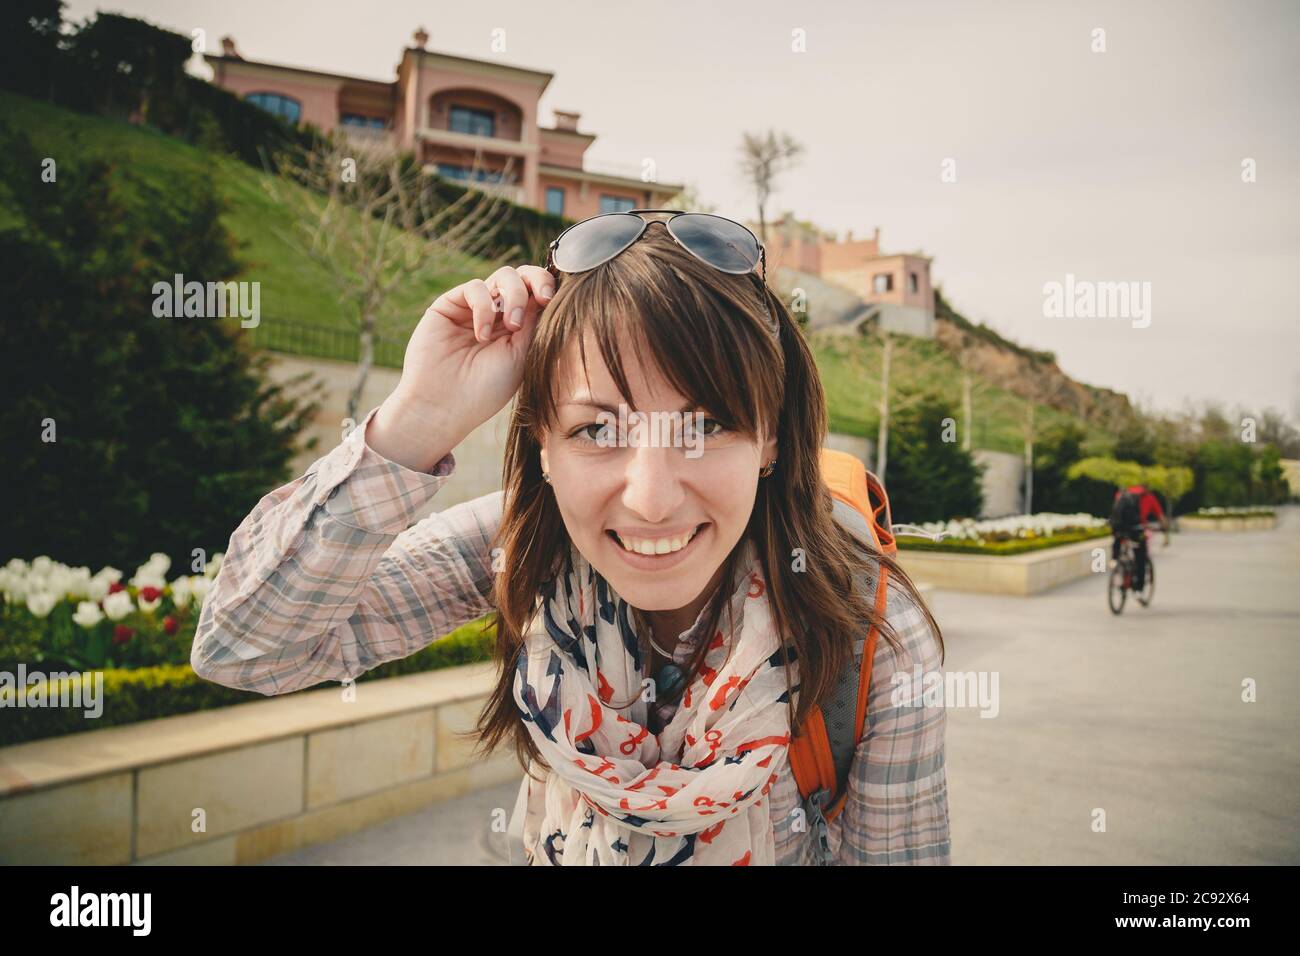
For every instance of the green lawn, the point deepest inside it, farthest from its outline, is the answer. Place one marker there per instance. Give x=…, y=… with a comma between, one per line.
x=297, y=293
x=850, y=370
x=294, y=289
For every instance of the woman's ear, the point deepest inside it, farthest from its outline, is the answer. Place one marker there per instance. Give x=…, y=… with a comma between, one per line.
x=542, y=455
x=769, y=450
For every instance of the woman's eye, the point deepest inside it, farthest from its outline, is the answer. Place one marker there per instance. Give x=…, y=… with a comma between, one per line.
x=594, y=433
x=709, y=427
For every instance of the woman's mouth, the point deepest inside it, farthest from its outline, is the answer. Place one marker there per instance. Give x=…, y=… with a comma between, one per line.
x=657, y=551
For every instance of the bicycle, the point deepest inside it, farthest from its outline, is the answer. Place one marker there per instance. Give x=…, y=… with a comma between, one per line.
x=1121, y=576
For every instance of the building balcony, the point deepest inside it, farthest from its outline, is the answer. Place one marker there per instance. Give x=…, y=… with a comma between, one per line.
x=511, y=191
x=368, y=136
x=495, y=144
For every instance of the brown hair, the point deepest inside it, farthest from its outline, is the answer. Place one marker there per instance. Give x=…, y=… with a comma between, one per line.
x=708, y=333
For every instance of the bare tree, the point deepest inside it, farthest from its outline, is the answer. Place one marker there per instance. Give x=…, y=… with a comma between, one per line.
x=373, y=218
x=971, y=385
x=689, y=200
x=891, y=400
x=763, y=157
x=1038, y=394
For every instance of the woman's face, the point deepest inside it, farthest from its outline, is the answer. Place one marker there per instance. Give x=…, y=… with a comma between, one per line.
x=675, y=485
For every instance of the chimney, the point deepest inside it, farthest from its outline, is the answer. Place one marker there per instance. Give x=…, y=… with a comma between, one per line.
x=421, y=38
x=228, y=48
x=567, y=121
x=876, y=238
x=850, y=237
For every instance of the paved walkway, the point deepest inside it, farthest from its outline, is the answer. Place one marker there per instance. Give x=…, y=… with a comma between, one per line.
x=1139, y=715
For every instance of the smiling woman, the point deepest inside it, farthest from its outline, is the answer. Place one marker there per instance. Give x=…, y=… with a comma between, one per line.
x=666, y=621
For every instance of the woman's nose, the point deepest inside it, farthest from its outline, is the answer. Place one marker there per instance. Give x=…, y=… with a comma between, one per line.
x=652, y=486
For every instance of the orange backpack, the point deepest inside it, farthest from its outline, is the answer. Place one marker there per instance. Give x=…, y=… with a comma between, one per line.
x=819, y=757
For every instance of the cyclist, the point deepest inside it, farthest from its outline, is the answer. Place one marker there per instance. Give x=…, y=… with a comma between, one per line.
x=1128, y=517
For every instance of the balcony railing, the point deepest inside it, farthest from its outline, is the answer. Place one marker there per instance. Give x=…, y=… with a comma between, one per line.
x=342, y=345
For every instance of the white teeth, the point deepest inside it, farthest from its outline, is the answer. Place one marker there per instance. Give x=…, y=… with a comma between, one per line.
x=655, y=546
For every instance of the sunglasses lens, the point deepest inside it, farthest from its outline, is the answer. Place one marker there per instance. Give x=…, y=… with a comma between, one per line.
x=723, y=244
x=595, y=240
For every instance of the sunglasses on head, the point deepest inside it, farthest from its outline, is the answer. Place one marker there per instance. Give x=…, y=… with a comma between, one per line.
x=722, y=243
x=716, y=241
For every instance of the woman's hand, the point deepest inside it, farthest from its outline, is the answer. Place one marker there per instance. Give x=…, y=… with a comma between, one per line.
x=463, y=363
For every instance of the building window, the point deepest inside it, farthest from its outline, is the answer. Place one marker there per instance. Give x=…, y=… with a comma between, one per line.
x=615, y=204
x=465, y=119
x=369, y=122
x=882, y=283
x=555, y=200
x=913, y=284
x=464, y=173
x=277, y=104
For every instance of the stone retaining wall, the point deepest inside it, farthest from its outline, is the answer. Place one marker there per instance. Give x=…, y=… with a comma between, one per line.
x=266, y=777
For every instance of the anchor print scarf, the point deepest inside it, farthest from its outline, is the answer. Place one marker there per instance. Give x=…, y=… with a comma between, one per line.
x=616, y=794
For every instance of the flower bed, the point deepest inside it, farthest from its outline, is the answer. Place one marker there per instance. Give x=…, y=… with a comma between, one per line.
x=57, y=620
x=65, y=618
x=1237, y=511
x=1017, y=534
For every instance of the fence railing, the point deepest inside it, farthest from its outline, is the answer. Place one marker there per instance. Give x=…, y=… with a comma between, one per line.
x=343, y=345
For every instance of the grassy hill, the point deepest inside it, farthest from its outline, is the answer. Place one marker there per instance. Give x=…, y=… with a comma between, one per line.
x=294, y=289
x=297, y=293
x=850, y=370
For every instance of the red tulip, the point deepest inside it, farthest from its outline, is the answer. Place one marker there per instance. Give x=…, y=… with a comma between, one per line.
x=150, y=594
x=115, y=587
x=170, y=624
x=122, y=634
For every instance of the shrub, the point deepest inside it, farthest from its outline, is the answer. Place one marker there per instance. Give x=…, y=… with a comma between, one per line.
x=125, y=433
x=131, y=696
x=929, y=479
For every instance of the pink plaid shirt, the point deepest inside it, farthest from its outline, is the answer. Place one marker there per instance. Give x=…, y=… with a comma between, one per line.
x=327, y=577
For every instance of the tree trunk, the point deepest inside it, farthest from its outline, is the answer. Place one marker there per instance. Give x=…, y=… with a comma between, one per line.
x=1029, y=458
x=365, y=359
x=967, y=423
x=882, y=435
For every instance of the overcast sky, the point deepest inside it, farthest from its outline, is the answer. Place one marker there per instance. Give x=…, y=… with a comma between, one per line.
x=1122, y=165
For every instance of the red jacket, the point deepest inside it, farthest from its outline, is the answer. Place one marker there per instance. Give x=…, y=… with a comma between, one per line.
x=1148, y=503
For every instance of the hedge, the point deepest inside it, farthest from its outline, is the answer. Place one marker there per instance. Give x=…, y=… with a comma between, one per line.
x=1003, y=548
x=147, y=693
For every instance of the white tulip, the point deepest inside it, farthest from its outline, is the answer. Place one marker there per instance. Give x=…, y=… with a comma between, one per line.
x=182, y=591
x=118, y=606
x=41, y=603
x=88, y=614
x=199, y=585
x=109, y=574
x=214, y=565
x=148, y=577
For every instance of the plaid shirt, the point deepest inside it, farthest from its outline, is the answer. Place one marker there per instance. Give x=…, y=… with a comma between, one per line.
x=327, y=578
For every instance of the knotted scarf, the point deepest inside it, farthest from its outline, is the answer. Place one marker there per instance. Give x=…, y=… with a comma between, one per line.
x=617, y=794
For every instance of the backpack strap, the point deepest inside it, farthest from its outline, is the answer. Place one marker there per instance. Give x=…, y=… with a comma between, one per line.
x=822, y=753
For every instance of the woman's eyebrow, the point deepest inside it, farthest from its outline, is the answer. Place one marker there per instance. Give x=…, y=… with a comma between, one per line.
x=586, y=401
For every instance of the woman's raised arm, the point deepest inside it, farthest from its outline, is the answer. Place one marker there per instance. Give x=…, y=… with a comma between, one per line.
x=326, y=578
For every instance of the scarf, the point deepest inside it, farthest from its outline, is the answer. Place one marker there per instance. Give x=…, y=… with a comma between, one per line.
x=616, y=794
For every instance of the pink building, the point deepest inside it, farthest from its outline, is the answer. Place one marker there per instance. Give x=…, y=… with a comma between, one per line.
x=465, y=119
x=899, y=283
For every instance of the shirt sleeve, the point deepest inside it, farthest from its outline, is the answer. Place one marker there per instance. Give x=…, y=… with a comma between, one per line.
x=896, y=811
x=326, y=578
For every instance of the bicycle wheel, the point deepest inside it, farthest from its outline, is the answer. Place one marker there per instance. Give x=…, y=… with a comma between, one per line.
x=1149, y=590
x=1116, y=593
